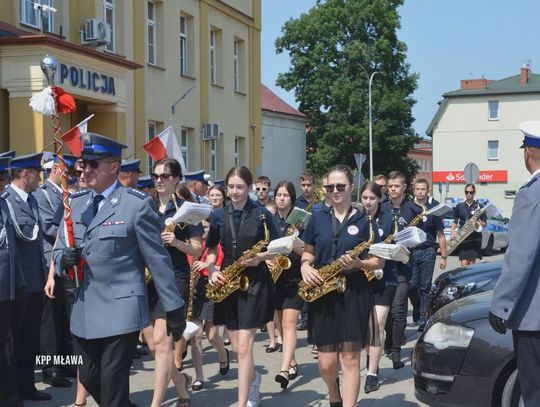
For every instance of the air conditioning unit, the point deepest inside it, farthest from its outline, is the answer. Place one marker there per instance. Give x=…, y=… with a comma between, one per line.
x=210, y=131
x=96, y=32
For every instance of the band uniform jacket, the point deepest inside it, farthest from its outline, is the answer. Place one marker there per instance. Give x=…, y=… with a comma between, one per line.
x=26, y=215
x=117, y=243
x=516, y=297
x=11, y=277
x=49, y=199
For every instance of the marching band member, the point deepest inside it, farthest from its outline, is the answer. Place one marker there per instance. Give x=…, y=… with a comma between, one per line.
x=340, y=325
x=470, y=249
x=307, y=183
x=216, y=195
x=182, y=241
x=288, y=303
x=238, y=227
x=383, y=289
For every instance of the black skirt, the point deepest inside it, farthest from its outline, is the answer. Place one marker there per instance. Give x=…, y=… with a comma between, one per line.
x=248, y=309
x=203, y=308
x=343, y=322
x=182, y=283
x=471, y=247
x=286, y=294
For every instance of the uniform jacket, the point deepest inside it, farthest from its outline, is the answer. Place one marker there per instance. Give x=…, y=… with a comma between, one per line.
x=516, y=298
x=30, y=252
x=11, y=277
x=49, y=199
x=116, y=245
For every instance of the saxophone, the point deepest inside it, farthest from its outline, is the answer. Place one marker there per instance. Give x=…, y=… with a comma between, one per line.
x=235, y=278
x=193, y=277
x=333, y=280
x=280, y=263
x=315, y=199
x=472, y=225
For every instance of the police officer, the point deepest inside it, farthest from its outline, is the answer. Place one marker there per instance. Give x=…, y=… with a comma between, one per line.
x=4, y=170
x=129, y=173
x=24, y=214
x=198, y=186
x=516, y=298
x=117, y=233
x=146, y=185
x=11, y=300
x=54, y=337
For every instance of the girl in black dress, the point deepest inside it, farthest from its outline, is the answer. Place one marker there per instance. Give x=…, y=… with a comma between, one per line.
x=184, y=240
x=288, y=303
x=238, y=227
x=340, y=325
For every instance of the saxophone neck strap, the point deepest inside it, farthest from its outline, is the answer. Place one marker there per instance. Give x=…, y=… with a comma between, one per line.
x=233, y=227
x=336, y=230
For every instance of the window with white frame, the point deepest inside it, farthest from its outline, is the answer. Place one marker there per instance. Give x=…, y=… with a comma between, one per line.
x=236, y=152
x=109, y=7
x=493, y=149
x=30, y=15
x=213, y=158
x=151, y=34
x=184, y=144
x=493, y=110
x=152, y=130
x=236, y=65
x=213, y=57
x=184, y=54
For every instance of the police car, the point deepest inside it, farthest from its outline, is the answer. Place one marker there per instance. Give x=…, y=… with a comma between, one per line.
x=494, y=235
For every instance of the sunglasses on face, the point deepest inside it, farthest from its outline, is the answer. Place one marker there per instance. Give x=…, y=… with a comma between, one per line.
x=94, y=164
x=470, y=192
x=261, y=189
x=332, y=187
x=163, y=177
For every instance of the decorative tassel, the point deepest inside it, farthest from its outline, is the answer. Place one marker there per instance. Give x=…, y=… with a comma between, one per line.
x=44, y=102
x=64, y=101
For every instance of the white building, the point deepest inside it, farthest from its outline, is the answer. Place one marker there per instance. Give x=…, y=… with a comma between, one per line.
x=283, y=140
x=479, y=123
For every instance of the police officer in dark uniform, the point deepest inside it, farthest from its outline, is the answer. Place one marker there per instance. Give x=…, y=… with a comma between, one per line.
x=4, y=170
x=402, y=211
x=116, y=233
x=516, y=298
x=24, y=214
x=198, y=186
x=11, y=301
x=54, y=335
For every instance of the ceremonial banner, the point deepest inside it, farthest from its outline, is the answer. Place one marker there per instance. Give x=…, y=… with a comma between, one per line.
x=165, y=144
x=72, y=137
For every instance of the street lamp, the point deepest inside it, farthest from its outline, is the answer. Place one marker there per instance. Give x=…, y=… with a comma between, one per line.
x=370, y=81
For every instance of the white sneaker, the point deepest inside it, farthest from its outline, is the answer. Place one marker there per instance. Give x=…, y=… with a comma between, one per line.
x=254, y=394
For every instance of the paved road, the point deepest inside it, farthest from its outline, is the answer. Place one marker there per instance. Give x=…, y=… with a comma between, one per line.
x=308, y=389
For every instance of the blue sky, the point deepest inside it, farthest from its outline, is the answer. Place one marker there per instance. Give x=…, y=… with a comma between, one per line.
x=448, y=40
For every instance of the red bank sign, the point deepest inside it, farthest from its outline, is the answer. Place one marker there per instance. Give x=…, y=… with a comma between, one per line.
x=456, y=177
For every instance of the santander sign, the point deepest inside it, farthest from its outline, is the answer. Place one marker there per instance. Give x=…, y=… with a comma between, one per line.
x=457, y=177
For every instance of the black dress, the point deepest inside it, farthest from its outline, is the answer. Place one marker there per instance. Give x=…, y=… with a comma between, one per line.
x=341, y=322
x=286, y=294
x=254, y=307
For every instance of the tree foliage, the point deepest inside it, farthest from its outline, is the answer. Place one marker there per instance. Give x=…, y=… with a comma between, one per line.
x=328, y=46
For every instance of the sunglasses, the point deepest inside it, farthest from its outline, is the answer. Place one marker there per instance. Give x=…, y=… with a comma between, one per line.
x=470, y=192
x=163, y=177
x=332, y=187
x=94, y=164
x=261, y=189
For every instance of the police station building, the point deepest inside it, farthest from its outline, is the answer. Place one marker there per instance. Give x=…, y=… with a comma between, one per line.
x=139, y=67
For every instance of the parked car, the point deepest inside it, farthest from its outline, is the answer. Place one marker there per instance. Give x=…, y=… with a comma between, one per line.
x=460, y=361
x=463, y=281
x=494, y=235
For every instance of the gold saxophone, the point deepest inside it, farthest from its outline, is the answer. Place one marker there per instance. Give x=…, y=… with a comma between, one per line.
x=193, y=277
x=234, y=273
x=472, y=225
x=315, y=199
x=279, y=263
x=333, y=280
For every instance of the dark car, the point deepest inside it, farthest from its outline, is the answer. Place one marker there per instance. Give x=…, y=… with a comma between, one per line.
x=463, y=281
x=460, y=361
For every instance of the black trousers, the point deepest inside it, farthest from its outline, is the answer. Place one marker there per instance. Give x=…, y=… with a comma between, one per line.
x=527, y=347
x=397, y=318
x=29, y=341
x=55, y=335
x=105, y=367
x=10, y=324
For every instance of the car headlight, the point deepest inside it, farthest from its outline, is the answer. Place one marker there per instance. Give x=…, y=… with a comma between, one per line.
x=451, y=293
x=443, y=335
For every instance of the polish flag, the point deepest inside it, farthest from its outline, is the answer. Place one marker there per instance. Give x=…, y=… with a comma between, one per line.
x=165, y=144
x=72, y=137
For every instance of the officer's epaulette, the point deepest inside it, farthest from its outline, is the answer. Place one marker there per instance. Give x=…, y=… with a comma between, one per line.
x=528, y=184
x=137, y=193
x=5, y=194
x=80, y=193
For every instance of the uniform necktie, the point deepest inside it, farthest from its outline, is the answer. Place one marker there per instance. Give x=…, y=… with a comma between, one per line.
x=97, y=200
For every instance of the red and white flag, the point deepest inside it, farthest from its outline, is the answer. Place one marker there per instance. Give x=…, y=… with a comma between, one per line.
x=165, y=144
x=72, y=137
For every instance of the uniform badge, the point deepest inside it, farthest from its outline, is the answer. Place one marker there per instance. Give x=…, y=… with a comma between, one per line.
x=114, y=200
x=381, y=232
x=352, y=230
x=424, y=219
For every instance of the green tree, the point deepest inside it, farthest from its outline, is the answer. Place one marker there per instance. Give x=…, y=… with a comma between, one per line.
x=328, y=47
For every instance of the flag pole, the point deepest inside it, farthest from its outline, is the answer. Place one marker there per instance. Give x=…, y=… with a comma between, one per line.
x=77, y=125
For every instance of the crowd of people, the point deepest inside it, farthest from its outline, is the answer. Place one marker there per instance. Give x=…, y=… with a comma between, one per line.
x=118, y=277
